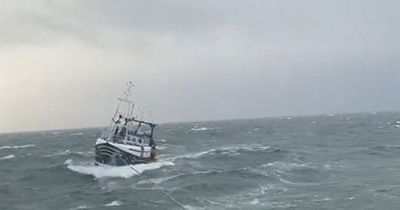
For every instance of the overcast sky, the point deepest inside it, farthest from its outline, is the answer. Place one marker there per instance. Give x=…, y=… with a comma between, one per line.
x=63, y=63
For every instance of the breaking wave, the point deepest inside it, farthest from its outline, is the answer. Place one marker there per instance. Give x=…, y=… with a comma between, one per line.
x=199, y=129
x=17, y=147
x=7, y=157
x=80, y=207
x=114, y=203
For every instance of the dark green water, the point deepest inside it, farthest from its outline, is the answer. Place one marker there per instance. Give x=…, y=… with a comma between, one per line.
x=322, y=162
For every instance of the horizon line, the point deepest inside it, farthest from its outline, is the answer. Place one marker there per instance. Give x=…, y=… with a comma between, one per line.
x=197, y=121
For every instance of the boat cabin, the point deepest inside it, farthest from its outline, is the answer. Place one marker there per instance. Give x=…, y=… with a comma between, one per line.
x=132, y=132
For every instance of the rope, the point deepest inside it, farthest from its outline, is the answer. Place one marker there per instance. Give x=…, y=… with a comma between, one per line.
x=158, y=188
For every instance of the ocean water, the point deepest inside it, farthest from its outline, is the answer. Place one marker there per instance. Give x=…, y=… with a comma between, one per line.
x=347, y=161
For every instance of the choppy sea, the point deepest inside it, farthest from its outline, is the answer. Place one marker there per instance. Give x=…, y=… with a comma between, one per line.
x=344, y=161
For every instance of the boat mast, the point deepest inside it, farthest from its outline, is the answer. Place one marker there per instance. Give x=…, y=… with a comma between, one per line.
x=128, y=92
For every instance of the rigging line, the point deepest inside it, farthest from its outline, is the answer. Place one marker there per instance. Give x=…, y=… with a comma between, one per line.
x=158, y=188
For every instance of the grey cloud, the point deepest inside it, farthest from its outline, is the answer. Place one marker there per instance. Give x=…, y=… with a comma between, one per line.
x=198, y=60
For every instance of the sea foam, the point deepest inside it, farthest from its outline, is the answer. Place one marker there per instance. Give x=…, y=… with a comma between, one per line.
x=114, y=171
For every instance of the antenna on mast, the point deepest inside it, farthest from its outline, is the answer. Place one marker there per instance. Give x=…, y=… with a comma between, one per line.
x=129, y=89
x=128, y=92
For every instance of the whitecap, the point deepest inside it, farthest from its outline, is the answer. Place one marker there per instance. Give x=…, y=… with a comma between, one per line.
x=68, y=152
x=114, y=203
x=80, y=207
x=245, y=147
x=114, y=171
x=286, y=166
x=199, y=129
x=246, y=198
x=17, y=147
x=255, y=201
x=192, y=155
x=76, y=134
x=7, y=157
x=59, y=153
x=321, y=199
x=191, y=207
x=161, y=147
x=68, y=162
x=286, y=181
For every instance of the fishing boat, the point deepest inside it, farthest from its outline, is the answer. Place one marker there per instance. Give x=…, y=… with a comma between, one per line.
x=127, y=140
